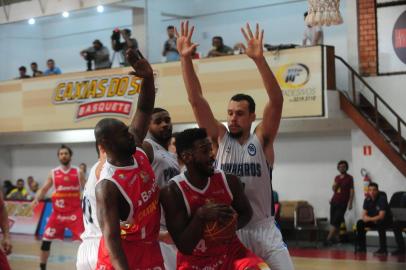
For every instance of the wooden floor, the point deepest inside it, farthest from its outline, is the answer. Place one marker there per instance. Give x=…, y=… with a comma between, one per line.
x=63, y=257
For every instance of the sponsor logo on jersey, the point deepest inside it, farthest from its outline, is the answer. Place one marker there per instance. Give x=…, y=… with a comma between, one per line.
x=252, y=150
x=242, y=169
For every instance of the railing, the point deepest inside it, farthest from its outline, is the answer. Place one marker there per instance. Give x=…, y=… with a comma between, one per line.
x=353, y=95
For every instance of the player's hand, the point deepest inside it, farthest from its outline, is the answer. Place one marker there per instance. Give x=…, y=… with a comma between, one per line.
x=215, y=212
x=6, y=245
x=254, y=48
x=165, y=237
x=184, y=39
x=140, y=65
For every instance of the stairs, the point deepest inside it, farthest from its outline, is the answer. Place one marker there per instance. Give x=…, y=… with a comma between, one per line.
x=377, y=129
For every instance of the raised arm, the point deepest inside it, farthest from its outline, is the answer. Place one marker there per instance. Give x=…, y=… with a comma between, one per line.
x=146, y=100
x=268, y=128
x=108, y=201
x=201, y=108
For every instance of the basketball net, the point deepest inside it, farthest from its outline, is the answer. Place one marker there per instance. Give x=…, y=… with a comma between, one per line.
x=324, y=13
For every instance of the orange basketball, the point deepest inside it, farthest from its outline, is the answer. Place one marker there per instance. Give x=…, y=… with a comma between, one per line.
x=216, y=231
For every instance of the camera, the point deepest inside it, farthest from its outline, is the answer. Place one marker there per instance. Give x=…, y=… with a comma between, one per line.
x=115, y=36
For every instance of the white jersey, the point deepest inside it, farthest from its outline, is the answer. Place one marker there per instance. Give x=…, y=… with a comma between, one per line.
x=165, y=164
x=249, y=163
x=92, y=227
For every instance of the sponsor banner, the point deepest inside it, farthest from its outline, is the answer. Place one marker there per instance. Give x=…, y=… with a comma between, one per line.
x=45, y=218
x=22, y=217
x=391, y=39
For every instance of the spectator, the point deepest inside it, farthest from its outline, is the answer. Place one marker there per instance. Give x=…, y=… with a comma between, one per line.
x=170, y=51
x=375, y=215
x=195, y=54
x=313, y=34
x=32, y=190
x=52, y=69
x=7, y=187
x=97, y=53
x=122, y=47
x=343, y=194
x=83, y=169
x=35, y=71
x=23, y=73
x=239, y=48
x=19, y=193
x=30, y=180
x=219, y=49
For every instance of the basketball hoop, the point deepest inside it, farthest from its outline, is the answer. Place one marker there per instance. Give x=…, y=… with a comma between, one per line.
x=324, y=13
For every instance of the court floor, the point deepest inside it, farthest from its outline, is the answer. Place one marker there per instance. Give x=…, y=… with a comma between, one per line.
x=63, y=257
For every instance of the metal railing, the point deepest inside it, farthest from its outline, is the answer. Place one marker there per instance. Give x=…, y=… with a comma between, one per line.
x=353, y=95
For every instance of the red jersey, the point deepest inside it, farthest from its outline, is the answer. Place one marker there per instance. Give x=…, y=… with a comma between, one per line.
x=344, y=185
x=216, y=191
x=139, y=232
x=66, y=197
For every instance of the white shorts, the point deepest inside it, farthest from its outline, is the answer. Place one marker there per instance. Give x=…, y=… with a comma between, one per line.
x=169, y=253
x=88, y=254
x=265, y=239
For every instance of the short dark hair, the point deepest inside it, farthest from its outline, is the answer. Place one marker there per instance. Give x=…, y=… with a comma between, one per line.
x=158, y=110
x=218, y=37
x=50, y=60
x=343, y=162
x=20, y=180
x=34, y=63
x=63, y=146
x=249, y=99
x=127, y=31
x=96, y=41
x=22, y=68
x=104, y=131
x=373, y=184
x=185, y=139
x=305, y=14
x=170, y=27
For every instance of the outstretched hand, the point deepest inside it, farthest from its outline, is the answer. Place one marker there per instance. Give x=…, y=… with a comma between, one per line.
x=184, y=40
x=254, y=46
x=140, y=65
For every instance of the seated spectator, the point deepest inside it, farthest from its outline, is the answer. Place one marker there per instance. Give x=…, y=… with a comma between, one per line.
x=32, y=190
x=23, y=73
x=83, y=169
x=312, y=34
x=239, y=48
x=376, y=215
x=52, y=69
x=7, y=187
x=97, y=53
x=19, y=193
x=35, y=71
x=170, y=52
x=219, y=49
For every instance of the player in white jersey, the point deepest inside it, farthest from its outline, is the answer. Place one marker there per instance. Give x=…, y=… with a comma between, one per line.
x=250, y=156
x=88, y=249
x=165, y=166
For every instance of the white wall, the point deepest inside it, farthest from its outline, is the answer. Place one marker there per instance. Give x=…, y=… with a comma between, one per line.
x=305, y=167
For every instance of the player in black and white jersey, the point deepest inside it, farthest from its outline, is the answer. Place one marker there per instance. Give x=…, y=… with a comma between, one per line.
x=247, y=155
x=165, y=166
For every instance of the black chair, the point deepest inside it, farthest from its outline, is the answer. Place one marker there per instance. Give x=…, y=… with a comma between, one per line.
x=305, y=220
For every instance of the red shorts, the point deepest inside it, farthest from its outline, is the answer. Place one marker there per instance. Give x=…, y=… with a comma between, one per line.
x=238, y=257
x=140, y=256
x=55, y=228
x=3, y=261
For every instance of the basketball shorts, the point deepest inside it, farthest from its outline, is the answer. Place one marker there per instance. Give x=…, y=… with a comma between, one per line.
x=3, y=261
x=265, y=239
x=87, y=254
x=237, y=257
x=140, y=256
x=57, y=223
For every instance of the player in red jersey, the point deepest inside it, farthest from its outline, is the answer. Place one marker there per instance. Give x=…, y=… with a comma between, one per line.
x=66, y=205
x=5, y=247
x=127, y=195
x=200, y=207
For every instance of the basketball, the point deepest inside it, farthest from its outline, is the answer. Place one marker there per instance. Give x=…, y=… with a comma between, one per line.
x=216, y=231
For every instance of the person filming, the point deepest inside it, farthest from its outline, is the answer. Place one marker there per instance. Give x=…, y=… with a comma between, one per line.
x=121, y=47
x=97, y=53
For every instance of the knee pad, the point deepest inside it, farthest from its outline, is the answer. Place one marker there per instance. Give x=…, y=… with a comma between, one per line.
x=46, y=245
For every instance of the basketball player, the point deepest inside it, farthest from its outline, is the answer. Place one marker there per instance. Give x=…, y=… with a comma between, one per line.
x=165, y=166
x=203, y=195
x=5, y=246
x=88, y=249
x=249, y=156
x=127, y=195
x=66, y=206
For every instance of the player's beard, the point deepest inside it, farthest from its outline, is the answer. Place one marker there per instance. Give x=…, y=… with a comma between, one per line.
x=65, y=162
x=236, y=135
